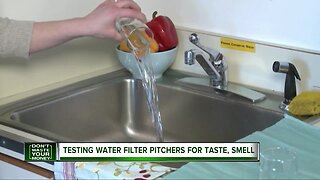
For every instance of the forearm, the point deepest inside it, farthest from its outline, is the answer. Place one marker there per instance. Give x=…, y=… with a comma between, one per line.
x=49, y=34
x=38, y=36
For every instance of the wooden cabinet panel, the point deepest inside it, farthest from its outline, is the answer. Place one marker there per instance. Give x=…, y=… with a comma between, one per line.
x=22, y=168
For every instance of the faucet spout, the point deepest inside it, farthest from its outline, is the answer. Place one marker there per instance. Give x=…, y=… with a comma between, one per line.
x=207, y=66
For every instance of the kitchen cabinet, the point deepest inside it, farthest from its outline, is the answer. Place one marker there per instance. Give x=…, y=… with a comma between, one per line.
x=12, y=168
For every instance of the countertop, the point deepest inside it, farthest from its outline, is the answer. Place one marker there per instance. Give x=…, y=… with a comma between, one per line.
x=289, y=133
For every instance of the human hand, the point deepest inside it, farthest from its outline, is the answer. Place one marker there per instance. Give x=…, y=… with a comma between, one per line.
x=101, y=21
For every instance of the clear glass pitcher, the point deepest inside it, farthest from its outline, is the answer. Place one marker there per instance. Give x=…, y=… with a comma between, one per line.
x=136, y=34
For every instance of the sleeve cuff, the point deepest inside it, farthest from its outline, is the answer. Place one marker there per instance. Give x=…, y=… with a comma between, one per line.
x=15, y=38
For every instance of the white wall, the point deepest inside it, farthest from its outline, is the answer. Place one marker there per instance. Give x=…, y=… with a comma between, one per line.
x=293, y=24
x=46, y=9
x=289, y=22
x=254, y=69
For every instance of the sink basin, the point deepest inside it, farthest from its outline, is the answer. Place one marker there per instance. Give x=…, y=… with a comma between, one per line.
x=106, y=109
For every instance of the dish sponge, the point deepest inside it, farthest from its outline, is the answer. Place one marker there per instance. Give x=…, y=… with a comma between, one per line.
x=305, y=104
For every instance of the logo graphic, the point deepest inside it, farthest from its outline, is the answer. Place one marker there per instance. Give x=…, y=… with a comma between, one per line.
x=40, y=151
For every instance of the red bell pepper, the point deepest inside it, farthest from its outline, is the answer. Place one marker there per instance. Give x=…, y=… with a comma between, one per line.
x=164, y=32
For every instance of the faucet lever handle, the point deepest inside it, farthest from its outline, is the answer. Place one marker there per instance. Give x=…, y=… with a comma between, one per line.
x=214, y=55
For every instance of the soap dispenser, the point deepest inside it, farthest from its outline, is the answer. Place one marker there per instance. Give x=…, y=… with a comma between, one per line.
x=290, y=84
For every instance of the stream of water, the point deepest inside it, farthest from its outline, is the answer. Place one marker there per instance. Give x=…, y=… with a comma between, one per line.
x=135, y=31
x=149, y=85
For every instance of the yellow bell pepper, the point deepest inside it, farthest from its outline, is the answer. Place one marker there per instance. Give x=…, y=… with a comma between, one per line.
x=153, y=45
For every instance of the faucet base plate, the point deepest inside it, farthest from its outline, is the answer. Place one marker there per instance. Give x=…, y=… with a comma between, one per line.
x=248, y=94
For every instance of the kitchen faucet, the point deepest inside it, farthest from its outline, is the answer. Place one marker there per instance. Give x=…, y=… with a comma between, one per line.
x=214, y=64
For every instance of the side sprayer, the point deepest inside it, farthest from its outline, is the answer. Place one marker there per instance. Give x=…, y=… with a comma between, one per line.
x=290, y=84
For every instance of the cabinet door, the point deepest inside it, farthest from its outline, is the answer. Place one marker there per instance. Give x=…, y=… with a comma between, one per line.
x=11, y=168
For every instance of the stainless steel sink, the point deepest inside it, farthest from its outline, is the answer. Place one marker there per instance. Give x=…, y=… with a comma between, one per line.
x=113, y=108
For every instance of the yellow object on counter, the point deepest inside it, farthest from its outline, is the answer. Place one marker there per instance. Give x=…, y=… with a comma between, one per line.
x=306, y=104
